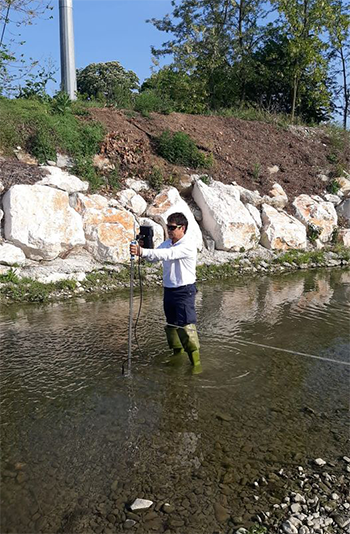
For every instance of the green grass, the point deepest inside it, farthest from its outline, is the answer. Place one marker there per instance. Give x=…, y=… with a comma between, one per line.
x=25, y=289
x=301, y=257
x=180, y=149
x=37, y=128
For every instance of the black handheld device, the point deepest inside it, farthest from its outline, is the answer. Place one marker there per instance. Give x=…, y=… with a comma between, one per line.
x=146, y=235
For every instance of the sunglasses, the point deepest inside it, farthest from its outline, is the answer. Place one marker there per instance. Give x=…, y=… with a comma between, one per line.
x=173, y=227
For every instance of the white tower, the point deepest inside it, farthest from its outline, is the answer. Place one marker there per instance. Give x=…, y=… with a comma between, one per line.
x=68, y=73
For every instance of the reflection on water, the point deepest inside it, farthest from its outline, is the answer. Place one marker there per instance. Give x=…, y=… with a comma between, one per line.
x=79, y=441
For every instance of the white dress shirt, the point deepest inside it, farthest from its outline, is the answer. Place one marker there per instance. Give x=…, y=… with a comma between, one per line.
x=179, y=261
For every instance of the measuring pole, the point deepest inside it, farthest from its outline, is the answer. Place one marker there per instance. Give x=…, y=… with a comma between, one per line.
x=131, y=302
x=68, y=72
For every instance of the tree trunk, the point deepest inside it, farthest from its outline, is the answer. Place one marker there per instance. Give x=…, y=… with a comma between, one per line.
x=345, y=89
x=295, y=92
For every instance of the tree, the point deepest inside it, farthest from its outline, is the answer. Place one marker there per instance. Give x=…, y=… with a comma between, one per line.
x=13, y=14
x=339, y=40
x=303, y=21
x=210, y=37
x=107, y=81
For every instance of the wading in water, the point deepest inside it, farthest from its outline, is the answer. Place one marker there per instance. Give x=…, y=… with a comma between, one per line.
x=178, y=254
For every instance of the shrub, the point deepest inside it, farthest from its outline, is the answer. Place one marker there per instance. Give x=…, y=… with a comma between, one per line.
x=156, y=179
x=180, y=149
x=149, y=101
x=333, y=187
x=84, y=168
x=312, y=232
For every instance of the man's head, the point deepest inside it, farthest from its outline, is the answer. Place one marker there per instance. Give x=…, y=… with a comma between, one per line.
x=177, y=226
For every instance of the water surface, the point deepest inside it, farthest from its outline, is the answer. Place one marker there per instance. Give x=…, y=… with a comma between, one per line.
x=80, y=441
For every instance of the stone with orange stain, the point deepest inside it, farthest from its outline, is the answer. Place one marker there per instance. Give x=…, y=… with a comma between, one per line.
x=81, y=203
x=108, y=230
x=281, y=231
x=40, y=221
x=318, y=213
x=168, y=201
x=109, y=241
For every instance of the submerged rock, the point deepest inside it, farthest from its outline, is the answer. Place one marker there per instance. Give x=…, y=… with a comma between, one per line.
x=140, y=504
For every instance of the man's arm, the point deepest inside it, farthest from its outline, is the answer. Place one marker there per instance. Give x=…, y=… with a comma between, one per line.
x=173, y=253
x=176, y=252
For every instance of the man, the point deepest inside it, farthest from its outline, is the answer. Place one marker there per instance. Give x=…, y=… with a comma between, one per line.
x=178, y=254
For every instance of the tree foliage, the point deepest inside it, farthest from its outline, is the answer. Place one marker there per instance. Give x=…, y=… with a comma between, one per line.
x=224, y=54
x=109, y=82
x=13, y=66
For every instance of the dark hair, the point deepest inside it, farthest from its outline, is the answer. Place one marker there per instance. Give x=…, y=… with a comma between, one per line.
x=178, y=218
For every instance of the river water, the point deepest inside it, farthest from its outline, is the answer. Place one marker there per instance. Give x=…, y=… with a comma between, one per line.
x=80, y=441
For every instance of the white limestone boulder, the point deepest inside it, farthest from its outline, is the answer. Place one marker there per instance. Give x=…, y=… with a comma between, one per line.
x=11, y=255
x=1, y=187
x=343, y=237
x=108, y=230
x=334, y=199
x=81, y=203
x=61, y=179
x=63, y=161
x=317, y=213
x=137, y=185
x=225, y=217
x=131, y=200
x=343, y=210
x=277, y=197
x=168, y=201
x=185, y=184
x=255, y=213
x=40, y=221
x=344, y=184
x=281, y=231
x=108, y=240
x=158, y=231
x=248, y=197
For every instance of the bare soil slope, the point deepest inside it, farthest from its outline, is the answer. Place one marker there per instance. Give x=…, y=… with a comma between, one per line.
x=243, y=150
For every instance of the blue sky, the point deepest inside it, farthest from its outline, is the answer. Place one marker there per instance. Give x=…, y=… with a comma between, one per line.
x=105, y=30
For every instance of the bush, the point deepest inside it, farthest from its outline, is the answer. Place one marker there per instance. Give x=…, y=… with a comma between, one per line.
x=156, y=179
x=179, y=148
x=149, y=101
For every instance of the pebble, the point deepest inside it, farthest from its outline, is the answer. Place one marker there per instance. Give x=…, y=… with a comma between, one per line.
x=129, y=523
x=289, y=528
x=140, y=504
x=341, y=520
x=320, y=462
x=168, y=508
x=221, y=513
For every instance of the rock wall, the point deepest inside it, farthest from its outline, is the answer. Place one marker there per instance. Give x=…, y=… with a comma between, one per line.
x=56, y=219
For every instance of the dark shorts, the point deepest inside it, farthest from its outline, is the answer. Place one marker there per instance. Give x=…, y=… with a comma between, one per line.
x=179, y=305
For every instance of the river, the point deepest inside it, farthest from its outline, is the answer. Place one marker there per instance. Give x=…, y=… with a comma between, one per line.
x=80, y=441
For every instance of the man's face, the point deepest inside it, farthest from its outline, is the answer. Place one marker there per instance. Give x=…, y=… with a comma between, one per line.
x=175, y=231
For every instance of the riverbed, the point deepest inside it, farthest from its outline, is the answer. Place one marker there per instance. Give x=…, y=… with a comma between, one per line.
x=81, y=441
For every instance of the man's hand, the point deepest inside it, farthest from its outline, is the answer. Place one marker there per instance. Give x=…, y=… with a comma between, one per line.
x=135, y=250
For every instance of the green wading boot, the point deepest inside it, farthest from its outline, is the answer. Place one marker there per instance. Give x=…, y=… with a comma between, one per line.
x=174, y=340
x=189, y=339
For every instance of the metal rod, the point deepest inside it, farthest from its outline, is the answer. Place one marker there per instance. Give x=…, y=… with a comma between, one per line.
x=132, y=259
x=68, y=72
